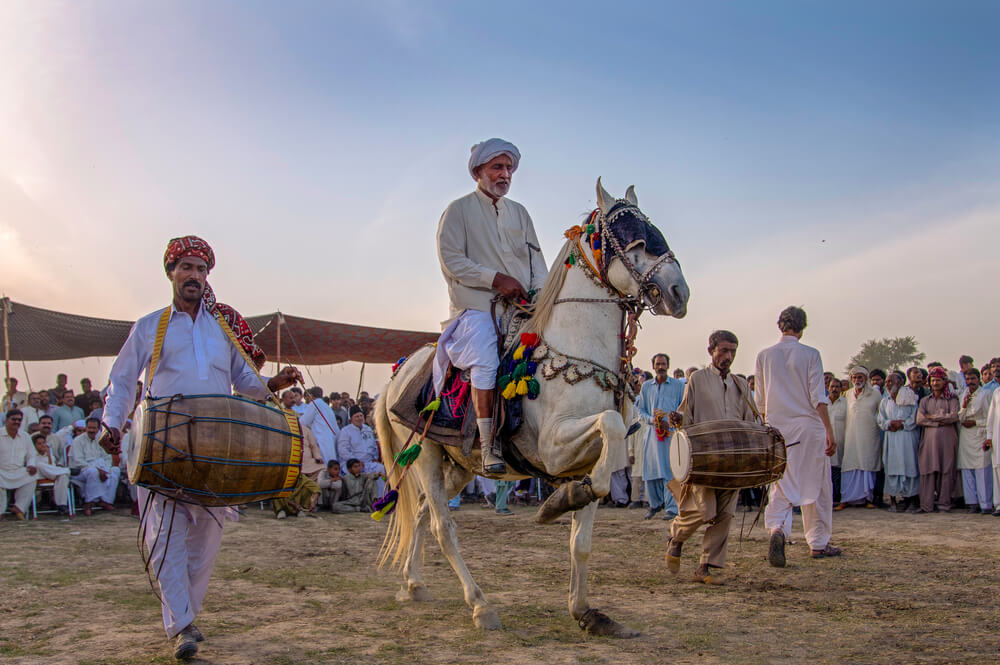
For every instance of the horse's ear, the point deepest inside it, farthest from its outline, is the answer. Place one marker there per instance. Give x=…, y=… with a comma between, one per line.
x=604, y=200
x=630, y=196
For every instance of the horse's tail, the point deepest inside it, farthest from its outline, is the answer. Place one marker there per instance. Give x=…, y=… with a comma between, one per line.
x=398, y=537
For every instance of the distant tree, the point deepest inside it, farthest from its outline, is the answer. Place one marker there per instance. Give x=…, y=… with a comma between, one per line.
x=888, y=353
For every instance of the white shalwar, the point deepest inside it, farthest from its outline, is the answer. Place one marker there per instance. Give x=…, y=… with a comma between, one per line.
x=993, y=434
x=88, y=458
x=320, y=419
x=862, y=457
x=197, y=358
x=15, y=454
x=974, y=462
x=476, y=240
x=788, y=388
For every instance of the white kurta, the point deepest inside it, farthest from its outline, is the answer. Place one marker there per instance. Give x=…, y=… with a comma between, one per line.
x=788, y=388
x=30, y=416
x=477, y=240
x=15, y=454
x=862, y=436
x=359, y=444
x=48, y=469
x=320, y=419
x=970, y=439
x=88, y=457
x=838, y=420
x=197, y=358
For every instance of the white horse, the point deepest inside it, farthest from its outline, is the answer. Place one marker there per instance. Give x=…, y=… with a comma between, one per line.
x=575, y=429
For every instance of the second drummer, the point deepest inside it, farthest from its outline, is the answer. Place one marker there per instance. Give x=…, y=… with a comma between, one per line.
x=713, y=393
x=197, y=357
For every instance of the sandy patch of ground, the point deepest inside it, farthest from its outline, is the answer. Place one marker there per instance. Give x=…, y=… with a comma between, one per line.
x=910, y=589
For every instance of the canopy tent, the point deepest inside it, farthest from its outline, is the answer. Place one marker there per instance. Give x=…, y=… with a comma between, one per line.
x=32, y=333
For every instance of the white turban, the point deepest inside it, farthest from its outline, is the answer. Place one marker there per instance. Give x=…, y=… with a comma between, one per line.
x=490, y=148
x=858, y=369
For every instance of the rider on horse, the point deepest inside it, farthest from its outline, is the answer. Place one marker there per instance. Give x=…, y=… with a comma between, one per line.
x=487, y=246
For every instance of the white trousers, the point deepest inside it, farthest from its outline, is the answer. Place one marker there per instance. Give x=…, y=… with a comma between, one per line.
x=95, y=489
x=470, y=342
x=619, y=486
x=183, y=562
x=977, y=485
x=817, y=517
x=22, y=497
x=60, y=487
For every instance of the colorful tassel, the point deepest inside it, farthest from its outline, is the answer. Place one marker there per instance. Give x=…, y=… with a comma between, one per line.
x=408, y=456
x=522, y=387
x=510, y=390
x=385, y=505
x=571, y=260
x=530, y=339
x=519, y=353
x=534, y=388
x=503, y=381
x=434, y=405
x=590, y=228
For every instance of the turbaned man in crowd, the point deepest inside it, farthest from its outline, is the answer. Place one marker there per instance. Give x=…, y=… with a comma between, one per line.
x=197, y=358
x=487, y=246
x=713, y=393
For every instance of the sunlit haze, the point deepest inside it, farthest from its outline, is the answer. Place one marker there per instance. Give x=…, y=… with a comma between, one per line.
x=844, y=157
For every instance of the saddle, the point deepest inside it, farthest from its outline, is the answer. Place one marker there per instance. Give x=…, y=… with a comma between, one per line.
x=454, y=423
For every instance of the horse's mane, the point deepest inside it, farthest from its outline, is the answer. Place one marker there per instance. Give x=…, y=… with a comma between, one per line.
x=546, y=298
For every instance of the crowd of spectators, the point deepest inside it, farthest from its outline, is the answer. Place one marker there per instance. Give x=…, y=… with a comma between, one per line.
x=914, y=441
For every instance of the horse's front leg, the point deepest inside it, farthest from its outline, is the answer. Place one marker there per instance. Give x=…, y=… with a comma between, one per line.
x=591, y=620
x=573, y=435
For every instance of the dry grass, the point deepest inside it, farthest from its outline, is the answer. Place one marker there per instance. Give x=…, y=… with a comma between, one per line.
x=910, y=589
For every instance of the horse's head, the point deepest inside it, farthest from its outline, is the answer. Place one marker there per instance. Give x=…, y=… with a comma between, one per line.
x=636, y=257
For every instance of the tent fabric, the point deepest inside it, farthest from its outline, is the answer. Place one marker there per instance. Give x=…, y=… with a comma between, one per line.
x=42, y=334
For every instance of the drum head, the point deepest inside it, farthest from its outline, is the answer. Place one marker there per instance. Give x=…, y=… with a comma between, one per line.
x=680, y=455
x=138, y=443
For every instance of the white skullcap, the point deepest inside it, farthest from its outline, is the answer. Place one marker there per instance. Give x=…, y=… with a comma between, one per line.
x=490, y=148
x=80, y=423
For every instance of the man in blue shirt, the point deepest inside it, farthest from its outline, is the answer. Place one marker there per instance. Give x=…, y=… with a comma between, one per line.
x=658, y=397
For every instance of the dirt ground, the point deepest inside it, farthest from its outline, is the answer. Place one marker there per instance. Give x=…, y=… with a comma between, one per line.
x=910, y=589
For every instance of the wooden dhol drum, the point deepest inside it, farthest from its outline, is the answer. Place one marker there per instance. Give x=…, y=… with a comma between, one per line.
x=727, y=454
x=214, y=450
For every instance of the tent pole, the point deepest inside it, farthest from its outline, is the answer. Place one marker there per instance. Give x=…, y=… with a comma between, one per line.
x=278, y=361
x=5, y=302
x=361, y=377
x=26, y=377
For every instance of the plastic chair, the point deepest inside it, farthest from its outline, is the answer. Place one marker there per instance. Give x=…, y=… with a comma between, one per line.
x=48, y=484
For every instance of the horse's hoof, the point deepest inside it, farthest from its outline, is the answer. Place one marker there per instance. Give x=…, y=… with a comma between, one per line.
x=568, y=497
x=418, y=594
x=486, y=619
x=596, y=622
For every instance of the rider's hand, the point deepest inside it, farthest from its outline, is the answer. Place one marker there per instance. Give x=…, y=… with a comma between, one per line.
x=509, y=287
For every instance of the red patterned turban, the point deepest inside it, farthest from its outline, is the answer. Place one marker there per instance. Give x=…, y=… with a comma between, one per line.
x=940, y=373
x=177, y=249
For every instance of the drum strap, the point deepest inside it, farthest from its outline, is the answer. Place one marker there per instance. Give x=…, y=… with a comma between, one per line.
x=753, y=407
x=161, y=334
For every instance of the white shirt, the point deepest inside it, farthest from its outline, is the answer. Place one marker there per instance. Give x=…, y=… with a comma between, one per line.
x=31, y=415
x=319, y=418
x=357, y=443
x=970, y=439
x=85, y=452
x=477, y=240
x=15, y=453
x=197, y=359
x=993, y=426
x=789, y=387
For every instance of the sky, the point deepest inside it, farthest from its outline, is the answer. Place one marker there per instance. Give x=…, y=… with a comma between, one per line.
x=844, y=157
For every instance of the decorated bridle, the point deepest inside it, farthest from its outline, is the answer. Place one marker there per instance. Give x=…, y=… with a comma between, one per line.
x=599, y=233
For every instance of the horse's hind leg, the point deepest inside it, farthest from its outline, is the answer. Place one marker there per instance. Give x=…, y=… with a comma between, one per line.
x=413, y=584
x=432, y=477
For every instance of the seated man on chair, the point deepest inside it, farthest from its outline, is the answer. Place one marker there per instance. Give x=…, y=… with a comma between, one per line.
x=93, y=469
x=487, y=246
x=16, y=470
x=48, y=469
